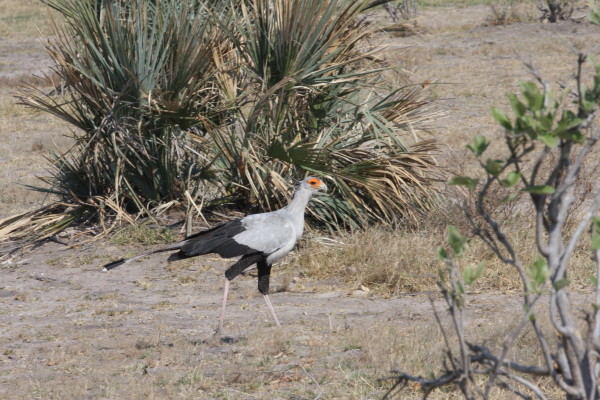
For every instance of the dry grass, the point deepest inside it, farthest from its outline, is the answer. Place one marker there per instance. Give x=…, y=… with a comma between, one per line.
x=469, y=89
x=387, y=262
x=463, y=3
x=344, y=362
x=507, y=12
x=143, y=235
x=391, y=263
x=146, y=337
x=349, y=356
x=14, y=81
x=26, y=137
x=23, y=19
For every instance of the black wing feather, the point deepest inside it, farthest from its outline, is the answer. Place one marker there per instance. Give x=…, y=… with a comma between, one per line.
x=219, y=240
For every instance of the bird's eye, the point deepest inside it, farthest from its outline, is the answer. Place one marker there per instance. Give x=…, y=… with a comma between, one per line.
x=313, y=182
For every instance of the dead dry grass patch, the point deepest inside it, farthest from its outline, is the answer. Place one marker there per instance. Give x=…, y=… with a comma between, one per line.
x=143, y=235
x=11, y=109
x=392, y=262
x=366, y=355
x=23, y=18
x=346, y=362
x=469, y=89
x=26, y=137
x=186, y=264
x=422, y=349
x=388, y=262
x=460, y=3
x=270, y=342
x=509, y=12
x=20, y=126
x=14, y=81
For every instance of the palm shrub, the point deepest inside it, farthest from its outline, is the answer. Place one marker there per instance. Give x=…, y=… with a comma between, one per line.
x=315, y=99
x=231, y=100
x=134, y=79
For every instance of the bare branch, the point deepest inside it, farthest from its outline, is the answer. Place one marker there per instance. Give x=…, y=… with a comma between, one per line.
x=509, y=340
x=526, y=383
x=427, y=385
x=482, y=353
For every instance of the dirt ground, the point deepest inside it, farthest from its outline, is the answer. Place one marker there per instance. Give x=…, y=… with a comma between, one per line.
x=145, y=331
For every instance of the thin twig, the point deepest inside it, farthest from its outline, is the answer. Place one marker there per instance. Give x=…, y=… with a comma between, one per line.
x=315, y=382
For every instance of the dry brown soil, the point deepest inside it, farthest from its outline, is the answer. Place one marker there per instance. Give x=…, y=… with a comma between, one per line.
x=70, y=331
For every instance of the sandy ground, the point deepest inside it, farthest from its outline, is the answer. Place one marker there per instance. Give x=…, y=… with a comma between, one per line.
x=70, y=331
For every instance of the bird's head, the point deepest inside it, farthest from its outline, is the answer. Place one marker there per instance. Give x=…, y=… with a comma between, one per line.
x=313, y=184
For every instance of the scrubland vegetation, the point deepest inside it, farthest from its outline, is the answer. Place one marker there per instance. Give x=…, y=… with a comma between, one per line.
x=150, y=332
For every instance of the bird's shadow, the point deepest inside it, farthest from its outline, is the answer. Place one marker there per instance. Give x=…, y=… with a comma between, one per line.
x=216, y=339
x=230, y=339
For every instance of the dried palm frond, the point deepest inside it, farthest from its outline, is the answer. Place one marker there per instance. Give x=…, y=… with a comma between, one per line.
x=31, y=227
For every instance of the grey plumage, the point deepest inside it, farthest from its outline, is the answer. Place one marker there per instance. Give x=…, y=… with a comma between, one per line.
x=260, y=239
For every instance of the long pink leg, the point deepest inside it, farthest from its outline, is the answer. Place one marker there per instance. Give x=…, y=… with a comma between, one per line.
x=271, y=309
x=222, y=317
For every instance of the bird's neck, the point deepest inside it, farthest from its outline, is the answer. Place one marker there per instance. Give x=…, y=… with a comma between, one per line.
x=298, y=204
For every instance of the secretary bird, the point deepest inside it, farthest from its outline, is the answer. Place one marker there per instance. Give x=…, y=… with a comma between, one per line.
x=260, y=239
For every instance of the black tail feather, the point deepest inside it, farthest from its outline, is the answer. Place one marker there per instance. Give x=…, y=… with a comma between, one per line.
x=114, y=264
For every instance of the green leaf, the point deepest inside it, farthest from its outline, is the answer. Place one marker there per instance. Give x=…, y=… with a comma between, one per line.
x=509, y=198
x=471, y=183
x=595, y=233
x=539, y=189
x=531, y=317
x=528, y=124
x=493, y=167
x=567, y=122
x=539, y=271
x=518, y=107
x=456, y=240
x=594, y=281
x=546, y=122
x=478, y=145
x=577, y=137
x=549, y=140
x=442, y=254
x=501, y=118
x=588, y=102
x=471, y=274
x=533, y=95
x=594, y=16
x=561, y=284
x=511, y=179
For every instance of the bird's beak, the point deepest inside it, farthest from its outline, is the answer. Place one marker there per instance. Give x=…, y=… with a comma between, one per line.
x=323, y=187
